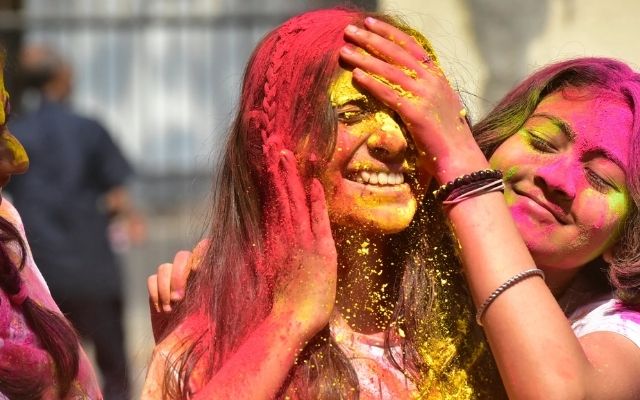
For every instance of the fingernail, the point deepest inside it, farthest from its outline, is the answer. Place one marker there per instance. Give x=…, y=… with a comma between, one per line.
x=370, y=20
x=177, y=295
x=166, y=307
x=347, y=49
x=358, y=73
x=351, y=29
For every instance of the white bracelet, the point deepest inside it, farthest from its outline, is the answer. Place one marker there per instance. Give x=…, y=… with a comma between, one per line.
x=508, y=283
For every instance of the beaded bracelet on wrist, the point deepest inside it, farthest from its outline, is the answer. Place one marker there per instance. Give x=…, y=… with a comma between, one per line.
x=469, y=182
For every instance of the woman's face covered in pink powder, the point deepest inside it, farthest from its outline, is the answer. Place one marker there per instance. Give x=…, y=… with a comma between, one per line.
x=565, y=176
x=370, y=181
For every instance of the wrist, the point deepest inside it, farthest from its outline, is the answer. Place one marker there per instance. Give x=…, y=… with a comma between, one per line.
x=459, y=165
x=301, y=323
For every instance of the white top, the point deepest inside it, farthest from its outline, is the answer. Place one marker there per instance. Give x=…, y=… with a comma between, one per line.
x=606, y=314
x=378, y=378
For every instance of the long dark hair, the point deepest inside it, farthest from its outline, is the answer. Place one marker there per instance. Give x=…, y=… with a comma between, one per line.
x=57, y=336
x=284, y=103
x=605, y=75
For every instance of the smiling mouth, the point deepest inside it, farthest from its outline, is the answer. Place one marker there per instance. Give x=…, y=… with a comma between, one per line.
x=377, y=178
x=555, y=211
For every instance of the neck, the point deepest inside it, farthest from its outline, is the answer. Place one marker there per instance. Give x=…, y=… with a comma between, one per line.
x=559, y=279
x=365, y=294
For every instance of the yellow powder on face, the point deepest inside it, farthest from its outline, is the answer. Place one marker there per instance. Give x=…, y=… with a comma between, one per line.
x=386, y=123
x=14, y=148
x=5, y=98
x=342, y=91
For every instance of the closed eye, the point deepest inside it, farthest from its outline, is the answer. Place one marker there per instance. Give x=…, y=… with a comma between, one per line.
x=598, y=182
x=353, y=112
x=540, y=144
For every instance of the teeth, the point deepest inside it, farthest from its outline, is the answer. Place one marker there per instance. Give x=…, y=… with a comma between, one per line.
x=380, y=178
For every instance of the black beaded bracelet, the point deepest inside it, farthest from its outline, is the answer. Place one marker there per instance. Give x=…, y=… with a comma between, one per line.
x=476, y=178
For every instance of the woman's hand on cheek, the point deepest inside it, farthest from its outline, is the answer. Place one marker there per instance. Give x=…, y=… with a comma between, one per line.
x=401, y=74
x=301, y=253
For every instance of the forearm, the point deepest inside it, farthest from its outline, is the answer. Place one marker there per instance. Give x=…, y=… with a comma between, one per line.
x=260, y=366
x=529, y=334
x=256, y=370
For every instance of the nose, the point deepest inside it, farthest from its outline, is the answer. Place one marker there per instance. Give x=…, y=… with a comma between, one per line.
x=387, y=142
x=13, y=157
x=558, y=178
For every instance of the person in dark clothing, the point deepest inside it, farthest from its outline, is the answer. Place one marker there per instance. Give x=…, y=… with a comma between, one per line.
x=74, y=188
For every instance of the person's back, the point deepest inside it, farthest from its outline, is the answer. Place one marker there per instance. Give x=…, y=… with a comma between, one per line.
x=60, y=198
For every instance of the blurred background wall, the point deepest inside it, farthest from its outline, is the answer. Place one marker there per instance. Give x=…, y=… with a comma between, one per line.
x=163, y=76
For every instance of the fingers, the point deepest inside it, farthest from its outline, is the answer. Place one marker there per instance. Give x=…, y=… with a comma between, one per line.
x=380, y=90
x=297, y=197
x=393, y=74
x=403, y=39
x=164, y=286
x=319, y=217
x=383, y=48
x=152, y=288
x=180, y=272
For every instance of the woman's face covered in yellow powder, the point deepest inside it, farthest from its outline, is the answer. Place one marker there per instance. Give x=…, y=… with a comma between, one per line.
x=370, y=181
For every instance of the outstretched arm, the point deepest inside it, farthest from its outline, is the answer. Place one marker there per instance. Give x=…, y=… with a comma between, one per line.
x=537, y=352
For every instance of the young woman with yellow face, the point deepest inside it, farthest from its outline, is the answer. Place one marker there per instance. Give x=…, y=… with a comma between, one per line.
x=565, y=140
x=318, y=281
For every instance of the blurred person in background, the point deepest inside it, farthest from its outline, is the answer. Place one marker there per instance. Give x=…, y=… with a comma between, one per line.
x=74, y=191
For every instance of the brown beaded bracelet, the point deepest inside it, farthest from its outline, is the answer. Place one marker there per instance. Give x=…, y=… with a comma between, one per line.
x=470, y=181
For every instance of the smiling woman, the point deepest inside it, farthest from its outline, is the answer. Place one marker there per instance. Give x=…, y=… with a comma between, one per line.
x=566, y=176
x=566, y=139
x=298, y=298
x=364, y=181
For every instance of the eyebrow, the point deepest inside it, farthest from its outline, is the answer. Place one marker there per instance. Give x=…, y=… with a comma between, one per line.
x=564, y=127
x=571, y=135
x=345, y=100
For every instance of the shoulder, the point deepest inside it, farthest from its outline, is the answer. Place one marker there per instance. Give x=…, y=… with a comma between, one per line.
x=607, y=314
x=164, y=359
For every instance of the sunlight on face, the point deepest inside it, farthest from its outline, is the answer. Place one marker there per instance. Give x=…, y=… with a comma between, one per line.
x=565, y=176
x=370, y=180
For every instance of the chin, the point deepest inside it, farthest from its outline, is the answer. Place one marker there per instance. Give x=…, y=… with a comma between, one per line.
x=381, y=220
